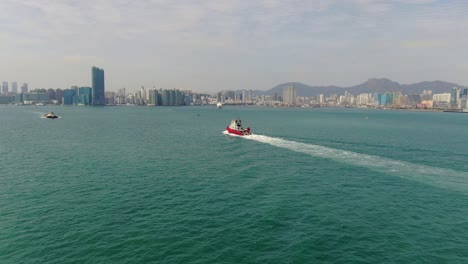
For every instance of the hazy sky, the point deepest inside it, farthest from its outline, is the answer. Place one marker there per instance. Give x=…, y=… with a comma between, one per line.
x=226, y=44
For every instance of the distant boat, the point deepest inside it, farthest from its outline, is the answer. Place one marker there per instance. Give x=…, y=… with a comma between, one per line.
x=51, y=115
x=219, y=105
x=236, y=128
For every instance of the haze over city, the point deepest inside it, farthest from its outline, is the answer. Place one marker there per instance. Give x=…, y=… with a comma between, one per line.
x=214, y=45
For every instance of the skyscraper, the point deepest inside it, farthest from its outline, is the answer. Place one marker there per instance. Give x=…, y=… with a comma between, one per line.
x=24, y=88
x=455, y=95
x=85, y=95
x=14, y=87
x=68, y=95
x=289, y=95
x=98, y=97
x=5, y=88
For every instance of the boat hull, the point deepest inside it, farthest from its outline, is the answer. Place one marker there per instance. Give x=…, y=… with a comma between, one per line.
x=244, y=132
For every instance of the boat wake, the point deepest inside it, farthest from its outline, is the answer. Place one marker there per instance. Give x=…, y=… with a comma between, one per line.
x=437, y=177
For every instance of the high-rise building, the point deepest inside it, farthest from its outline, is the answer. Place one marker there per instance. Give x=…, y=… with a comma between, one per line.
x=98, y=96
x=441, y=100
x=51, y=93
x=59, y=95
x=321, y=99
x=14, y=87
x=143, y=93
x=24, y=88
x=164, y=97
x=454, y=96
x=5, y=88
x=68, y=95
x=84, y=95
x=377, y=97
x=289, y=95
x=154, y=97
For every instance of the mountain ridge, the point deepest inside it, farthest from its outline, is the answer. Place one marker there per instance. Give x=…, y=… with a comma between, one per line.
x=381, y=85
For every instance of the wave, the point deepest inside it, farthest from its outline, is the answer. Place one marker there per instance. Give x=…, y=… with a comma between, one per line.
x=437, y=177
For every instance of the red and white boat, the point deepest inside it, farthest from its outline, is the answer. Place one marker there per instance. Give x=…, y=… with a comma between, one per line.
x=236, y=128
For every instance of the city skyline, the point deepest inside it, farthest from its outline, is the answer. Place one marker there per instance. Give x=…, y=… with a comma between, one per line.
x=378, y=93
x=230, y=45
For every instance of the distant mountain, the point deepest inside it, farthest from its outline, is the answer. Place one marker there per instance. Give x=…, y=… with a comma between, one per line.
x=370, y=86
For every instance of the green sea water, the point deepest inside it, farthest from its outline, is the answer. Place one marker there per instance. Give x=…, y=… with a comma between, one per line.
x=165, y=185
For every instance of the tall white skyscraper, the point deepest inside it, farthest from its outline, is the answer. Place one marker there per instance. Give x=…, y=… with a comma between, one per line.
x=289, y=95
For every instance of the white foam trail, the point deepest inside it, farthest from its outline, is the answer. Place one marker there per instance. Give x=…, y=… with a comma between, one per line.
x=438, y=177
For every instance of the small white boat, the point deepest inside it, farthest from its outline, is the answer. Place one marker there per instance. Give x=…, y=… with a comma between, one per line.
x=51, y=115
x=219, y=105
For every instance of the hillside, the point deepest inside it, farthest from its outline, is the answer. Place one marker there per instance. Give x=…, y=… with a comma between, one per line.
x=372, y=85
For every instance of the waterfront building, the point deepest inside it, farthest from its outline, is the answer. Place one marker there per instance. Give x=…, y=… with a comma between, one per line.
x=427, y=104
x=121, y=92
x=59, y=96
x=364, y=99
x=399, y=100
x=289, y=95
x=180, y=98
x=464, y=94
x=441, y=100
x=321, y=99
x=164, y=97
x=377, y=97
x=154, y=97
x=98, y=94
x=14, y=87
x=110, y=98
x=342, y=100
x=143, y=94
x=454, y=96
x=5, y=88
x=119, y=100
x=38, y=96
x=5, y=99
x=463, y=104
x=172, y=98
x=18, y=98
x=24, y=88
x=68, y=96
x=413, y=100
x=84, y=95
x=130, y=100
x=426, y=95
x=51, y=93
x=229, y=97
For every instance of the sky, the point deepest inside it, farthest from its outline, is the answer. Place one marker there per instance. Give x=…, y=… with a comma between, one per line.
x=214, y=45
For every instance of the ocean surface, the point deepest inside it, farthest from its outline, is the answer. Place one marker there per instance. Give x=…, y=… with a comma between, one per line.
x=165, y=185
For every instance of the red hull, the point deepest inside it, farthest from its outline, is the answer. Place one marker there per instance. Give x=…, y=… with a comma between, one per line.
x=239, y=132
